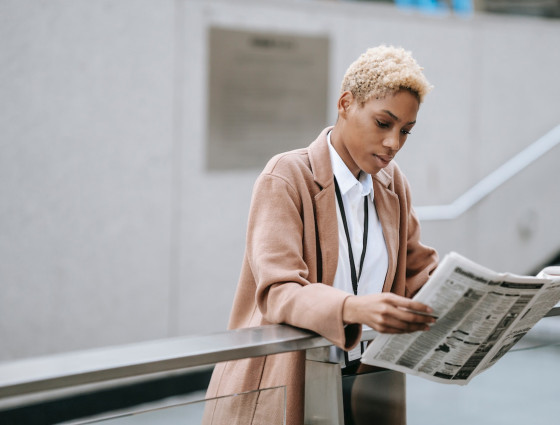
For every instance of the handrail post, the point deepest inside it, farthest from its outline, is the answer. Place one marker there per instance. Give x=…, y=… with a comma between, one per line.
x=323, y=389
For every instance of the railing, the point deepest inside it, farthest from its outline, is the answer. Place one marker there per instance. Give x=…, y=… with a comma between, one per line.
x=491, y=182
x=25, y=377
x=21, y=381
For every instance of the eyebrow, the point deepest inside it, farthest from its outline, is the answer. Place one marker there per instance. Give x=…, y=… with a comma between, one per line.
x=395, y=117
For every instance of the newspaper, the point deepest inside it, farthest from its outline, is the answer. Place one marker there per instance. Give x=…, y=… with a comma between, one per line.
x=481, y=314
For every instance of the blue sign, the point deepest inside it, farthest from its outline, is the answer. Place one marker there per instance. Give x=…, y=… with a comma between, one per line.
x=462, y=7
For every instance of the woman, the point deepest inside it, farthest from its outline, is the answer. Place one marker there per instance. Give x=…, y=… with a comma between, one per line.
x=333, y=242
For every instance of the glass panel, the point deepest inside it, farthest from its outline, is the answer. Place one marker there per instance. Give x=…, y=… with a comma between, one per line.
x=521, y=388
x=179, y=411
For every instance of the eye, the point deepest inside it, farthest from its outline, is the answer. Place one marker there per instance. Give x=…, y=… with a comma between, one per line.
x=404, y=131
x=382, y=124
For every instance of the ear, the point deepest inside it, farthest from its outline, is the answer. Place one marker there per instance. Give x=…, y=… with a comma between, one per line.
x=345, y=101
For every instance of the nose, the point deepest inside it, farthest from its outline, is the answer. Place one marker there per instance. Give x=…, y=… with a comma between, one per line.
x=392, y=141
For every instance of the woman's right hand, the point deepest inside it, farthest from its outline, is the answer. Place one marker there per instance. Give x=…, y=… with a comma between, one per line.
x=387, y=313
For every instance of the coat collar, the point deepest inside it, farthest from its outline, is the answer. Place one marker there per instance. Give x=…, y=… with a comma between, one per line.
x=320, y=160
x=321, y=167
x=386, y=204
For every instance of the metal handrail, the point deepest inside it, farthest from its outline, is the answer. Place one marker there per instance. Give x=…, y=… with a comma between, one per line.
x=491, y=182
x=146, y=358
x=29, y=376
x=98, y=365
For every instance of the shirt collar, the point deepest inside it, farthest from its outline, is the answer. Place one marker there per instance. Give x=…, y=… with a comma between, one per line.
x=344, y=176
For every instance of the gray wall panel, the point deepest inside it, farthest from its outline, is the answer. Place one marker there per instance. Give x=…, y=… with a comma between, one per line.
x=112, y=230
x=85, y=172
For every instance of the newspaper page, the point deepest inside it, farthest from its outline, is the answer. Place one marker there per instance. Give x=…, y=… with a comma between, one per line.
x=542, y=303
x=481, y=315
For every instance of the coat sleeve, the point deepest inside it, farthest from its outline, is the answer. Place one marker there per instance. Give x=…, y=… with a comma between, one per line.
x=275, y=254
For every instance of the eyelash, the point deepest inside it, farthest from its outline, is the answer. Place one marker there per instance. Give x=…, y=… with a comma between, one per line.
x=385, y=125
x=382, y=124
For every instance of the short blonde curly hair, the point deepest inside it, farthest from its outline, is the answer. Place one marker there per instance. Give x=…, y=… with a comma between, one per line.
x=384, y=70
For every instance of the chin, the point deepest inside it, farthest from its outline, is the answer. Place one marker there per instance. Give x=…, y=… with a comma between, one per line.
x=372, y=171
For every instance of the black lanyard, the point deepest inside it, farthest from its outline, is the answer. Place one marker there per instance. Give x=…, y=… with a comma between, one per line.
x=355, y=276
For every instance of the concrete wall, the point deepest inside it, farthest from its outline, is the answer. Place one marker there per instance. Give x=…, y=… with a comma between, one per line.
x=111, y=229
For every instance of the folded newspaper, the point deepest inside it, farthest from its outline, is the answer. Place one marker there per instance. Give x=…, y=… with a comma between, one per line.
x=481, y=314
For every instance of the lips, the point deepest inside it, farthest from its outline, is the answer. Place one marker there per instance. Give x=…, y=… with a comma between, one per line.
x=384, y=159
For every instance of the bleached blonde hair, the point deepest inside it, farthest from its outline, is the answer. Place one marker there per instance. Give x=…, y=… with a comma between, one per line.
x=384, y=70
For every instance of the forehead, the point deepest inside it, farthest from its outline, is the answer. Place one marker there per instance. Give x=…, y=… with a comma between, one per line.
x=403, y=105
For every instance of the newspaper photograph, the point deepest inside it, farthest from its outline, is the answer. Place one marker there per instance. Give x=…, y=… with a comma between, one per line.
x=481, y=314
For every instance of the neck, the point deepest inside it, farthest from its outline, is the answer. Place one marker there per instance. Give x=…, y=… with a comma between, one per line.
x=340, y=148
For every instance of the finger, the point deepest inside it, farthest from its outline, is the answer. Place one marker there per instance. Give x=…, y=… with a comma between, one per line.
x=388, y=316
x=400, y=321
x=417, y=316
x=413, y=316
x=407, y=303
x=400, y=328
x=415, y=306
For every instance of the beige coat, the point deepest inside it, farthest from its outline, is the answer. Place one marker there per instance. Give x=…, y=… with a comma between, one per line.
x=289, y=267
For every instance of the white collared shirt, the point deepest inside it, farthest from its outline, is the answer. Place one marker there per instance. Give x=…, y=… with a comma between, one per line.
x=376, y=261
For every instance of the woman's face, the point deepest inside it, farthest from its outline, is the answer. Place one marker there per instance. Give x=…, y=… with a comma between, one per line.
x=367, y=137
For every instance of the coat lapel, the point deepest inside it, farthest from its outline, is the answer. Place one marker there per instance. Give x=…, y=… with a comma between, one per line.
x=325, y=206
x=388, y=211
x=386, y=204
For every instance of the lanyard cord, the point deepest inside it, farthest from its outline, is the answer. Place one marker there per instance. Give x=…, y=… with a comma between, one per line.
x=355, y=276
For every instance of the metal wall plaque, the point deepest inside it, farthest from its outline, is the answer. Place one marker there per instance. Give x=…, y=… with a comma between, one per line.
x=267, y=94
